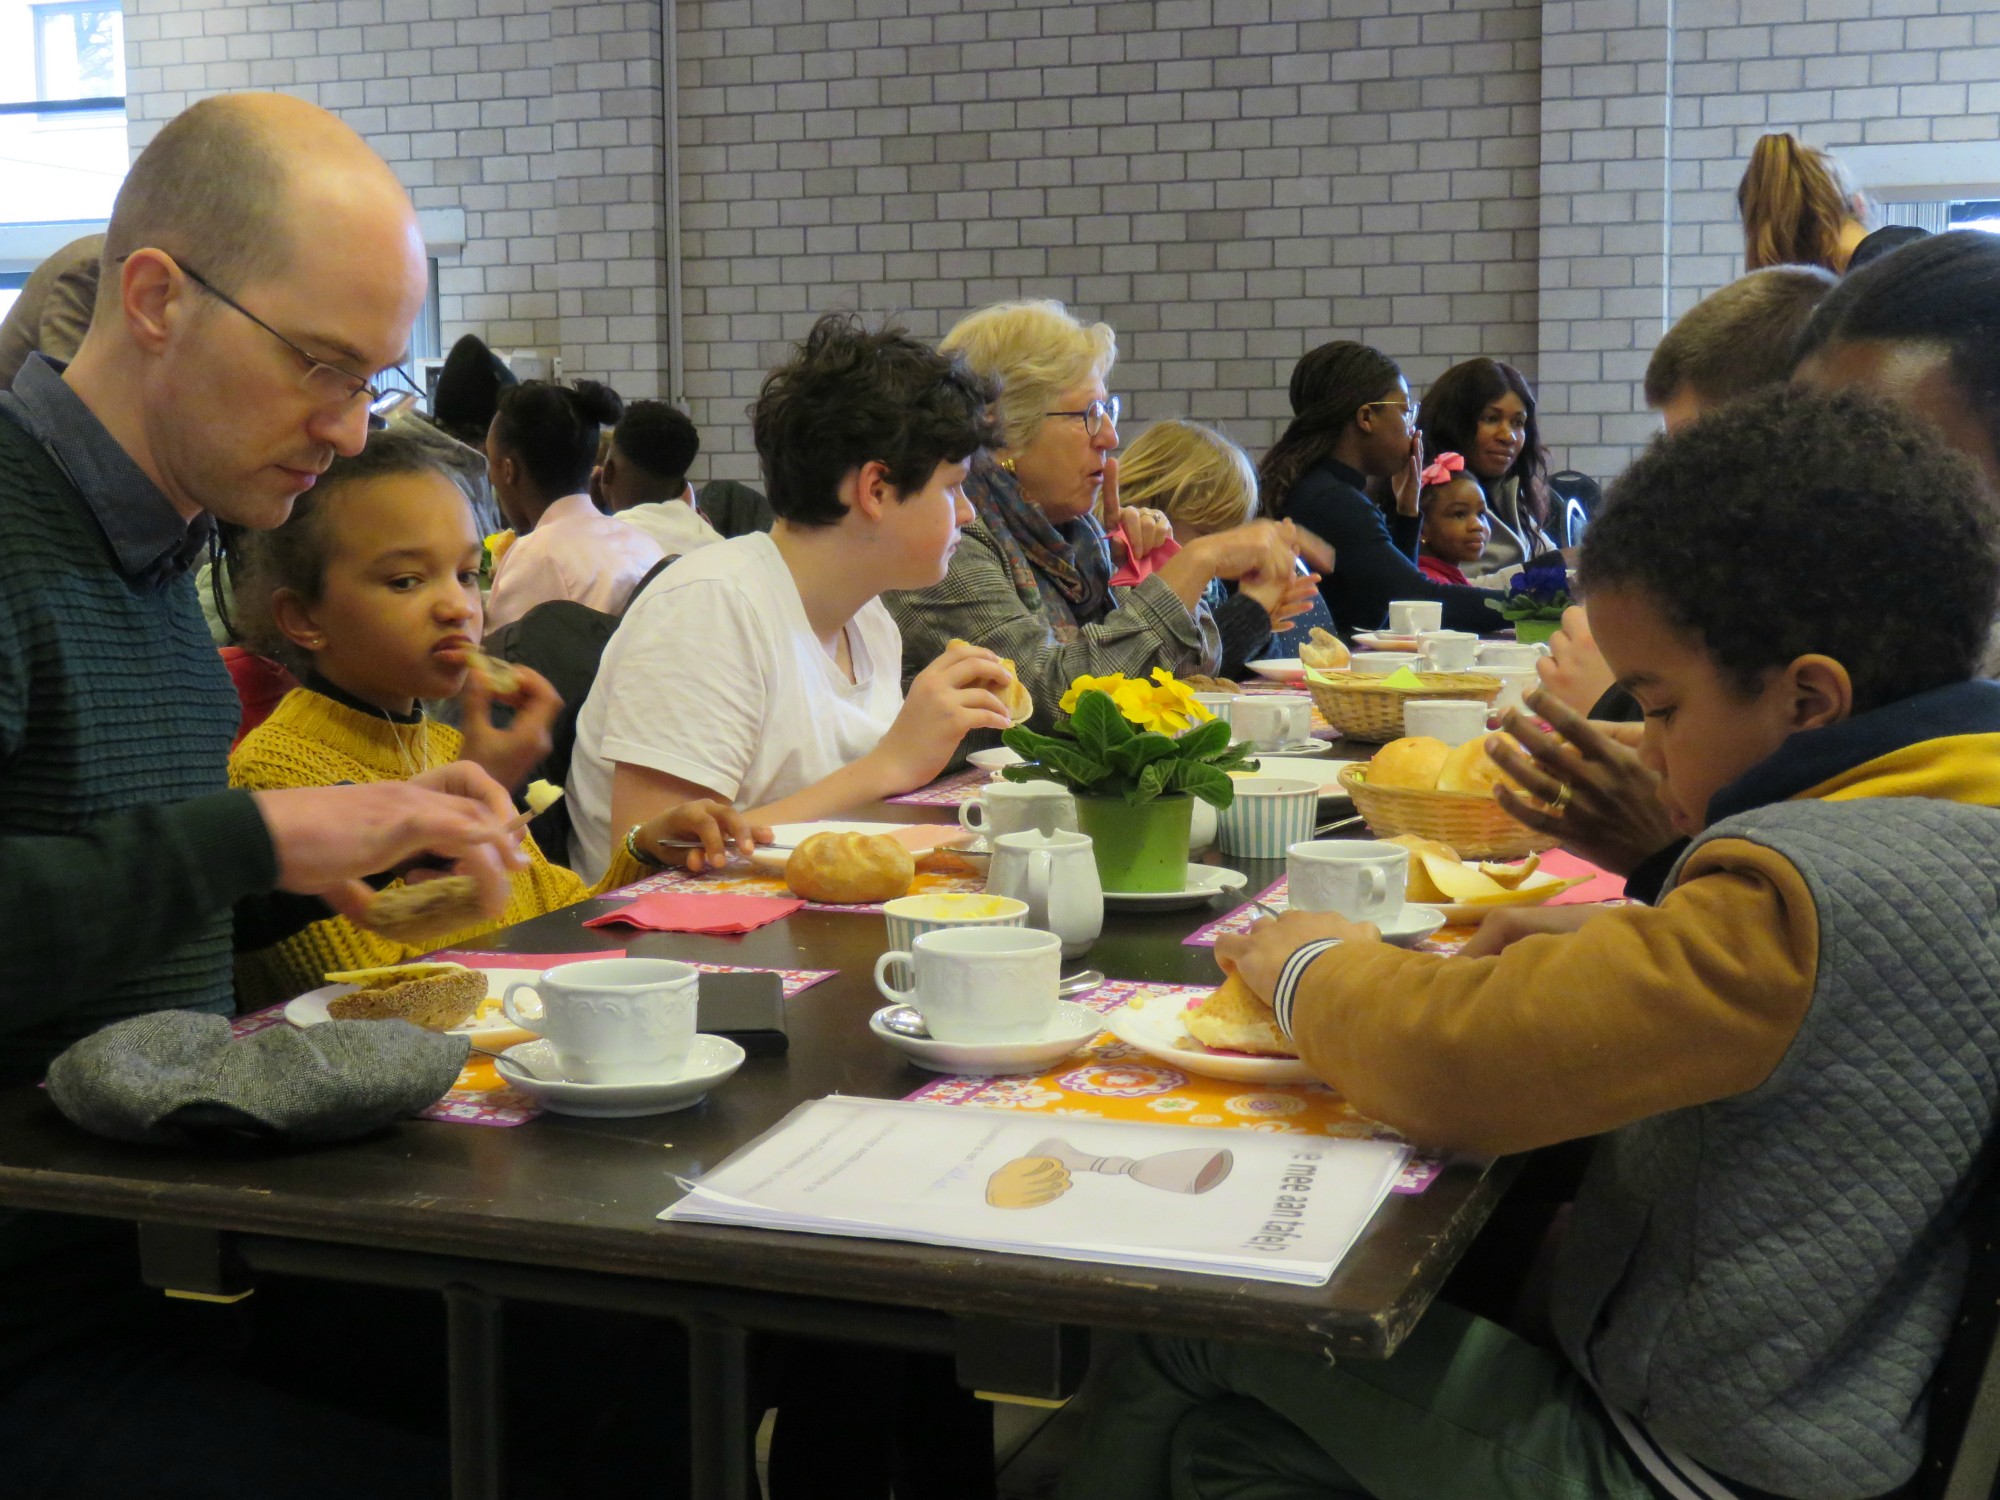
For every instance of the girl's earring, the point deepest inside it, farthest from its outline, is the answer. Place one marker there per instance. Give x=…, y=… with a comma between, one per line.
x=1007, y=464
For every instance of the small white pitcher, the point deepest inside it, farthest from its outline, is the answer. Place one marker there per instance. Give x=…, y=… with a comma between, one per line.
x=1056, y=874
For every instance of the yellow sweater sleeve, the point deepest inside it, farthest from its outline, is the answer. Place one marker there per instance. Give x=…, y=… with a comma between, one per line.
x=1642, y=1010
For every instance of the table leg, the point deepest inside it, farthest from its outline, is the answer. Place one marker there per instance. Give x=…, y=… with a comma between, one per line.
x=719, y=1410
x=472, y=1336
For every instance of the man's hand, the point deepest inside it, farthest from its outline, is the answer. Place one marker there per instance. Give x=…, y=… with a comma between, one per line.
x=1614, y=816
x=954, y=695
x=509, y=755
x=455, y=819
x=1259, y=955
x=1575, y=670
x=712, y=824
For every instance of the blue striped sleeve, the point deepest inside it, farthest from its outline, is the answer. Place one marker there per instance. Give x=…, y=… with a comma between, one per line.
x=1289, y=977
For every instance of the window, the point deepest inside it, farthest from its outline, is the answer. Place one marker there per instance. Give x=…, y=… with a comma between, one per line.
x=79, y=50
x=63, y=153
x=1978, y=214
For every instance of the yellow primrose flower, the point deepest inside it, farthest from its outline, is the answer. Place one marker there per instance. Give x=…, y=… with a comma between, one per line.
x=1087, y=684
x=1172, y=692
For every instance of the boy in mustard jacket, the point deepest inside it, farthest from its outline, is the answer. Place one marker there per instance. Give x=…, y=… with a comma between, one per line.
x=1791, y=1062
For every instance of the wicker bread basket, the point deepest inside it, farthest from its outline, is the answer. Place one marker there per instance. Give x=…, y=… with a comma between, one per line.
x=1477, y=827
x=1362, y=709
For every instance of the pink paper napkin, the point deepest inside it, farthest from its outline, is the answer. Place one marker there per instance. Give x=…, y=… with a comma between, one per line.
x=688, y=911
x=1135, y=570
x=473, y=960
x=1601, y=885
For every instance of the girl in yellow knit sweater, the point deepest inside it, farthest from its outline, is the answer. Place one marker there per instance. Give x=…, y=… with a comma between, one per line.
x=370, y=592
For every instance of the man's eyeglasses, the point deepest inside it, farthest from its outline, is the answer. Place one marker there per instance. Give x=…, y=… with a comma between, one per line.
x=1093, y=415
x=327, y=385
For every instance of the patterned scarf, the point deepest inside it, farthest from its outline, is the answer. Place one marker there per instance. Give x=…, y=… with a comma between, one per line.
x=1063, y=573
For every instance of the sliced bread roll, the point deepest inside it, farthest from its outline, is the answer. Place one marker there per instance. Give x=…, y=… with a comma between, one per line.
x=436, y=997
x=1235, y=1020
x=413, y=913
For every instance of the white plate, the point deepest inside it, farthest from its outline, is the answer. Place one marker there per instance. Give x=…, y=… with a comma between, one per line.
x=791, y=835
x=998, y=758
x=1328, y=777
x=1384, y=640
x=1297, y=750
x=1408, y=927
x=1279, y=668
x=489, y=1028
x=1204, y=882
x=1073, y=1026
x=1154, y=1027
x=713, y=1059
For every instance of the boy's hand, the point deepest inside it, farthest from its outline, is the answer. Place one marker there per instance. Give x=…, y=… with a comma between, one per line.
x=509, y=755
x=1575, y=670
x=1284, y=599
x=954, y=695
x=1613, y=817
x=1259, y=955
x=714, y=825
x=1506, y=926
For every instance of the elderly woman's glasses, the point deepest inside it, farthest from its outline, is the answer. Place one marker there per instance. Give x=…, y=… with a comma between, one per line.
x=327, y=385
x=1094, y=415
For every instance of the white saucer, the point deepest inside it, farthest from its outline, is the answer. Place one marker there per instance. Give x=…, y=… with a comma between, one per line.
x=1408, y=927
x=1154, y=1027
x=995, y=759
x=1298, y=749
x=1279, y=669
x=1204, y=882
x=489, y=1027
x=1073, y=1026
x=531, y=1067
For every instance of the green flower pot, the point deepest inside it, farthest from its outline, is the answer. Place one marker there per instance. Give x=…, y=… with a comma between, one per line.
x=1142, y=847
x=1535, y=632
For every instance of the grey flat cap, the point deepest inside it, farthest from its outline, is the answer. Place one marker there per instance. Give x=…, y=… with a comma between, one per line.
x=176, y=1077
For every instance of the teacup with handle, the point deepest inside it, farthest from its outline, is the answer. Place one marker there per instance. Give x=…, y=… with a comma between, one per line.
x=613, y=1020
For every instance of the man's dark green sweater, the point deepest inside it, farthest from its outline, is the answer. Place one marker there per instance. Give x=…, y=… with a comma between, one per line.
x=122, y=851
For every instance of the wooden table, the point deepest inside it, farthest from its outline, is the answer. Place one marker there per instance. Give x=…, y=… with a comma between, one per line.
x=562, y=1210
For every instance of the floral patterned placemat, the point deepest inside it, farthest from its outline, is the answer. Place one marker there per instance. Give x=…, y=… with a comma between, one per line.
x=743, y=882
x=481, y=1096
x=1113, y=1080
x=954, y=790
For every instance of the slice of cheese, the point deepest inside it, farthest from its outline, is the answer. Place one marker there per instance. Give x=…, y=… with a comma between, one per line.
x=1511, y=876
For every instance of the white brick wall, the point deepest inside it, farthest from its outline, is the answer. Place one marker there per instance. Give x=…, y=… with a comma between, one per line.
x=1227, y=182
x=541, y=119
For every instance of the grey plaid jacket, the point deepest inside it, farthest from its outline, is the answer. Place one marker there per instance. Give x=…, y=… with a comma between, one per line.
x=976, y=601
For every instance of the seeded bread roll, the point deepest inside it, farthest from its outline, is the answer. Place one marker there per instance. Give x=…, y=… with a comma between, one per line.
x=436, y=997
x=412, y=913
x=502, y=681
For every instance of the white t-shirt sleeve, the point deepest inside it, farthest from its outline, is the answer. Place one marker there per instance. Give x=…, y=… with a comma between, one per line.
x=685, y=687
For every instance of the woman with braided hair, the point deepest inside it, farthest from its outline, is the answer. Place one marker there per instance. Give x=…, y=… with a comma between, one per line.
x=1352, y=424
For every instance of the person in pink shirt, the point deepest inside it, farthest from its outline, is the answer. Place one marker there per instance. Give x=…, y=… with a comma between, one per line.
x=539, y=453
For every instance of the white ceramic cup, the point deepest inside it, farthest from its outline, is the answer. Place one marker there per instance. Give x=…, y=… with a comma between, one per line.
x=1382, y=663
x=1411, y=616
x=1453, y=720
x=1448, y=650
x=1267, y=816
x=1514, y=682
x=1216, y=703
x=910, y=917
x=1017, y=806
x=1362, y=879
x=613, y=1020
x=1510, y=655
x=1271, y=720
x=979, y=984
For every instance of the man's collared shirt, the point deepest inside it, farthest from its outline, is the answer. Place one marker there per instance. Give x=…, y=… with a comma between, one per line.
x=151, y=542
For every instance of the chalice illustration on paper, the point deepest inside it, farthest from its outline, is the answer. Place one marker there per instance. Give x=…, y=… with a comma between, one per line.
x=1046, y=1172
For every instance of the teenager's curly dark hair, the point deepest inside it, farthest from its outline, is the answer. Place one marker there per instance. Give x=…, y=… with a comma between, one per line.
x=851, y=396
x=1792, y=522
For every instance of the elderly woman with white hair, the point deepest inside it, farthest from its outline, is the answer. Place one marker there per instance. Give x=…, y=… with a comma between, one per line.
x=1032, y=579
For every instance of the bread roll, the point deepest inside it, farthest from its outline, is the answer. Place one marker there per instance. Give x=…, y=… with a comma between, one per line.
x=849, y=869
x=1412, y=762
x=1234, y=1019
x=1020, y=706
x=1470, y=769
x=1323, y=651
x=436, y=997
x=413, y=913
x=502, y=681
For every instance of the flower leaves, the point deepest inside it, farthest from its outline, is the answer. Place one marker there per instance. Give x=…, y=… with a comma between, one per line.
x=1105, y=754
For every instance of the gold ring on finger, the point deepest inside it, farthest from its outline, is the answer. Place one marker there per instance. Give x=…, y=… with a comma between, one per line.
x=1561, y=799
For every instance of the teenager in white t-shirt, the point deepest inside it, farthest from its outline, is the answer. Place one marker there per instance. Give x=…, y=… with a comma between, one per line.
x=764, y=670
x=643, y=479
